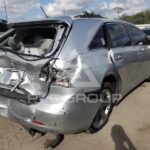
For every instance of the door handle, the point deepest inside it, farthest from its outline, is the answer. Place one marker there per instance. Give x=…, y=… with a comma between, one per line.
x=119, y=57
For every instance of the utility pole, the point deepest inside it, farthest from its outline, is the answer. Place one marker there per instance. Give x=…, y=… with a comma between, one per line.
x=5, y=7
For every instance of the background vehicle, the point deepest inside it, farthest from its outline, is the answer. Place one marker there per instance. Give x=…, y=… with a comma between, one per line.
x=51, y=70
x=145, y=28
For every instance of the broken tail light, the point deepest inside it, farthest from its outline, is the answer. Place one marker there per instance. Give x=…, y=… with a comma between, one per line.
x=60, y=77
x=37, y=122
x=64, y=78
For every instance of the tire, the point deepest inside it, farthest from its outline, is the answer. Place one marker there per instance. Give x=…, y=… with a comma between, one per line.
x=105, y=109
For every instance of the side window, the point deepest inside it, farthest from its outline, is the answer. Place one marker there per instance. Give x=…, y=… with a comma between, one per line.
x=137, y=36
x=117, y=35
x=99, y=40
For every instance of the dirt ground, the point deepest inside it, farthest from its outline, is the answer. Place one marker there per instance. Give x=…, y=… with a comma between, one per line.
x=127, y=129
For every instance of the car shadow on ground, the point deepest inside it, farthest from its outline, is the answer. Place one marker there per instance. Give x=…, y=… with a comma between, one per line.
x=120, y=138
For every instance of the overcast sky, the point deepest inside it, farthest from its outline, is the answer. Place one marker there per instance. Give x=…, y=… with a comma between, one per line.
x=30, y=9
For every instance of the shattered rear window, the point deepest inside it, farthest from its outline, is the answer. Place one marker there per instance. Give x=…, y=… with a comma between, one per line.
x=36, y=40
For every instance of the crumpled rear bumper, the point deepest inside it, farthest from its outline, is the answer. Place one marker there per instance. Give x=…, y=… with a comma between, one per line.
x=56, y=113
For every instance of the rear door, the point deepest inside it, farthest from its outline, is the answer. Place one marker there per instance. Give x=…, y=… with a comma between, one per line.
x=124, y=55
x=141, y=43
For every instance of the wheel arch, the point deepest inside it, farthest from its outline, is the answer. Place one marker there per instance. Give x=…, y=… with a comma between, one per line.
x=115, y=80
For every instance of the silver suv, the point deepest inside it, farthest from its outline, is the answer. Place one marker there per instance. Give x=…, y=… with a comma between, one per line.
x=65, y=75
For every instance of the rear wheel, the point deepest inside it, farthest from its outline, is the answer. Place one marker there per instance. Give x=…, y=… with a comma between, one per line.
x=105, y=109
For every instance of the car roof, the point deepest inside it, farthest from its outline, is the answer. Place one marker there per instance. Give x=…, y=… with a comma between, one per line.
x=67, y=20
x=103, y=20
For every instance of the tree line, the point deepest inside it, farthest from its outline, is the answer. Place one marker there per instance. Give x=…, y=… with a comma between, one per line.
x=139, y=18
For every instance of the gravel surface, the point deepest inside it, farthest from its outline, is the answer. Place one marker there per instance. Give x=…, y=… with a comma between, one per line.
x=127, y=129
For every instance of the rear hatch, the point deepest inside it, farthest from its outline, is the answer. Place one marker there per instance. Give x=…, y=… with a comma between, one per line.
x=27, y=53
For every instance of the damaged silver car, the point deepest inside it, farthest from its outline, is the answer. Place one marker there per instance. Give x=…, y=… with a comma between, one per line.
x=65, y=75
